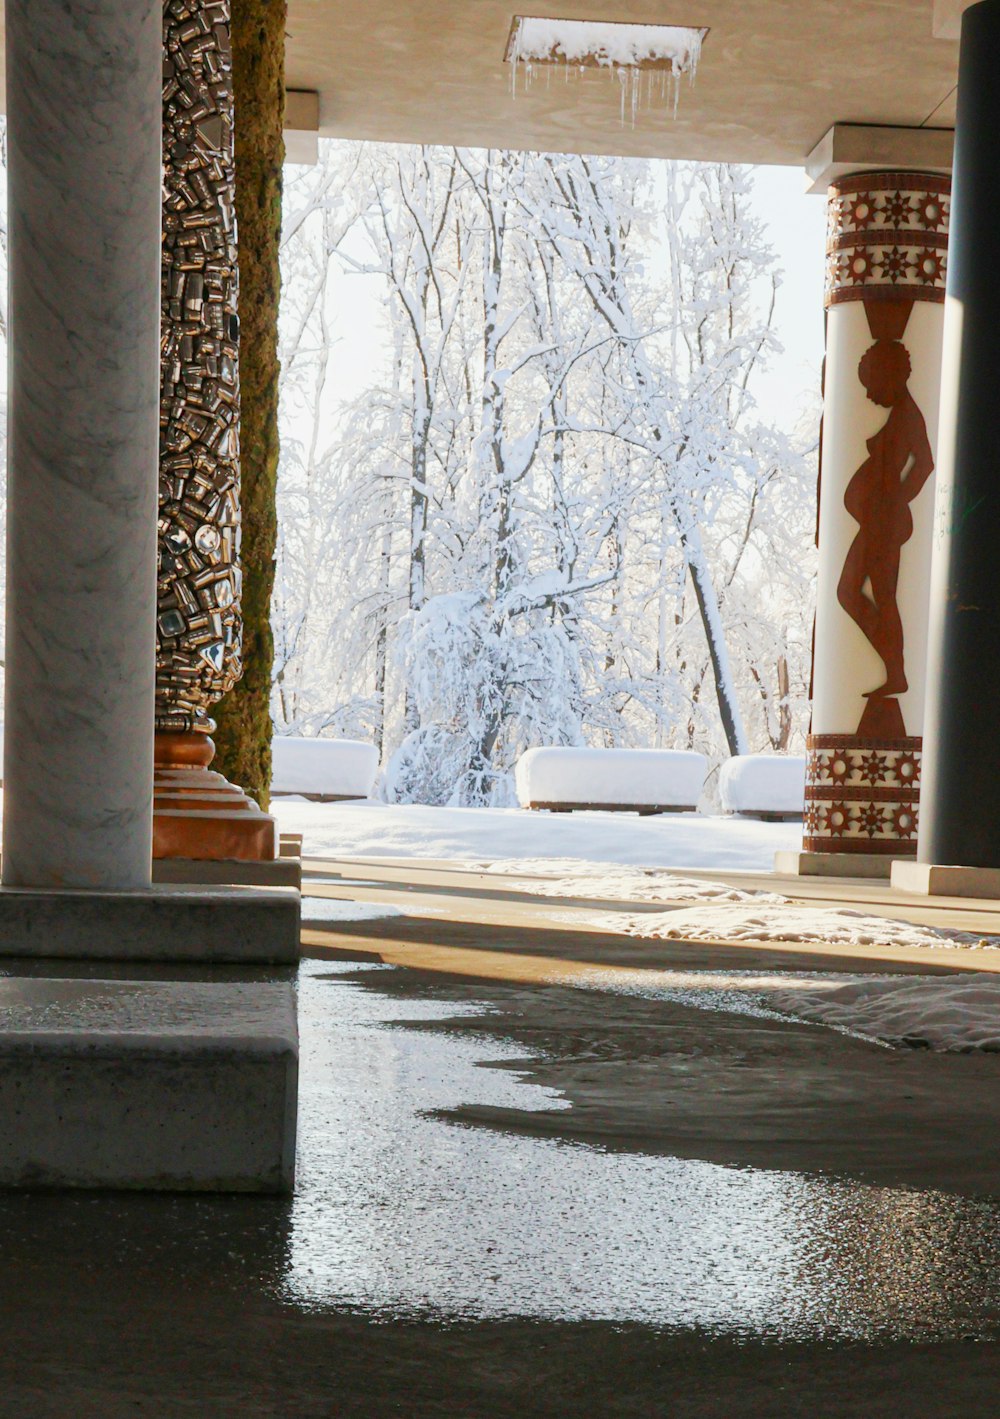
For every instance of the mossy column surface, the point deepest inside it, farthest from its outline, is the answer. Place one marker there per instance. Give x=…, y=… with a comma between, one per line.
x=258, y=38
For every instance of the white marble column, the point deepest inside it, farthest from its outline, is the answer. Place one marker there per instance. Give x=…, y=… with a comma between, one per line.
x=84, y=123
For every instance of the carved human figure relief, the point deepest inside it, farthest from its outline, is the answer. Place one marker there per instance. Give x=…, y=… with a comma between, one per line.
x=878, y=497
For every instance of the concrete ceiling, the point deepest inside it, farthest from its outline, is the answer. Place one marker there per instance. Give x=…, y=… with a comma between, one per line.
x=775, y=75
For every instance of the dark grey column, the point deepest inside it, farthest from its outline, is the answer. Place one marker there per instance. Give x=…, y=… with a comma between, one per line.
x=960, y=817
x=83, y=106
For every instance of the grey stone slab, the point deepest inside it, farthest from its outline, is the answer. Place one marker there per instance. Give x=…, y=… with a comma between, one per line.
x=925, y=879
x=169, y=922
x=147, y=1084
x=832, y=864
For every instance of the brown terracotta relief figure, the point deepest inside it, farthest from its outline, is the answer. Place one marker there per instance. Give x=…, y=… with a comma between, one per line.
x=878, y=497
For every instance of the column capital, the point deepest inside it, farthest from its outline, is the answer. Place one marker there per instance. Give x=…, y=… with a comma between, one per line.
x=863, y=147
x=887, y=241
x=302, y=127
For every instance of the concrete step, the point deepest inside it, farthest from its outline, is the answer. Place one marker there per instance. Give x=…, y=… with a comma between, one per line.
x=148, y=1084
x=168, y=922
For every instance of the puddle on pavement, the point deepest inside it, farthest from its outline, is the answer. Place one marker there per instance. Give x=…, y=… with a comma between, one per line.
x=401, y=1214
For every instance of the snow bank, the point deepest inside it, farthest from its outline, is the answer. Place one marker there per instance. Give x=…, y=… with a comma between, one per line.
x=334, y=909
x=624, y=777
x=594, y=880
x=323, y=768
x=763, y=783
x=477, y=836
x=957, y=1013
x=762, y=922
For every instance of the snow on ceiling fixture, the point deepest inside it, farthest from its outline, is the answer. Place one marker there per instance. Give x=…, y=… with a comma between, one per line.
x=647, y=61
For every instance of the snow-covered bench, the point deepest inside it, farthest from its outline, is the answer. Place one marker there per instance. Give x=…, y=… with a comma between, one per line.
x=611, y=780
x=324, y=770
x=769, y=786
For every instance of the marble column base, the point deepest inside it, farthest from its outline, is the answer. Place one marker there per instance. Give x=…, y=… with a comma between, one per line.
x=925, y=879
x=159, y=1085
x=832, y=864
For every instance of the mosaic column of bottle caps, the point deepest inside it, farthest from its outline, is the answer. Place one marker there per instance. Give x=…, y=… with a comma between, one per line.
x=199, y=629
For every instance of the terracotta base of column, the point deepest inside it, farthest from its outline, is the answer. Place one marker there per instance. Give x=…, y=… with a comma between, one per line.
x=198, y=814
x=862, y=796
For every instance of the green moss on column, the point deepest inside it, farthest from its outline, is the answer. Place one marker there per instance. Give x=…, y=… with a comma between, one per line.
x=244, y=716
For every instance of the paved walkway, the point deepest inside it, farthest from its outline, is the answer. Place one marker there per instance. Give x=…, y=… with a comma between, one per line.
x=457, y=903
x=521, y=1196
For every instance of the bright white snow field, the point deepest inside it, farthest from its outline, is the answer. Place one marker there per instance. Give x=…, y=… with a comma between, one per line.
x=487, y=835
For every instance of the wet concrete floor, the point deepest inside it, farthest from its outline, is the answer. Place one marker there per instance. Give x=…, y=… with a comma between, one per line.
x=525, y=1199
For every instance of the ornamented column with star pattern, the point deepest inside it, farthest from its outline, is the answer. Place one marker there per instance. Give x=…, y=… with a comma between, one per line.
x=886, y=267
x=199, y=629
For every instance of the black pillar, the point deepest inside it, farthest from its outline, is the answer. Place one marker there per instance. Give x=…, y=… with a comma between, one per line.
x=960, y=802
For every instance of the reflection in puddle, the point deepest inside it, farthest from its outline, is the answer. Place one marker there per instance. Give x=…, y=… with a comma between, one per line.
x=403, y=1214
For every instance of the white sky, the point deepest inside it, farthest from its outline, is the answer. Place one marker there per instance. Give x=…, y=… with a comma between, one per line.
x=796, y=225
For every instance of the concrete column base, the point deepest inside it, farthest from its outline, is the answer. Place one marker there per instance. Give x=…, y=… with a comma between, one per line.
x=240, y=925
x=926, y=879
x=154, y=1085
x=832, y=864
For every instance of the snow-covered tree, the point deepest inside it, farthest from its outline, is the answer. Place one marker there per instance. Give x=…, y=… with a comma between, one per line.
x=555, y=515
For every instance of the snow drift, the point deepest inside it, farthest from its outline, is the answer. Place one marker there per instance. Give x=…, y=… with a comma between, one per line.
x=323, y=768
x=763, y=783
x=611, y=777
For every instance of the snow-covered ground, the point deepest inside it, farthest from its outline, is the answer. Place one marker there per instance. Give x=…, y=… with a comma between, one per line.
x=324, y=909
x=614, y=857
x=597, y=880
x=761, y=917
x=511, y=835
x=958, y=1013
